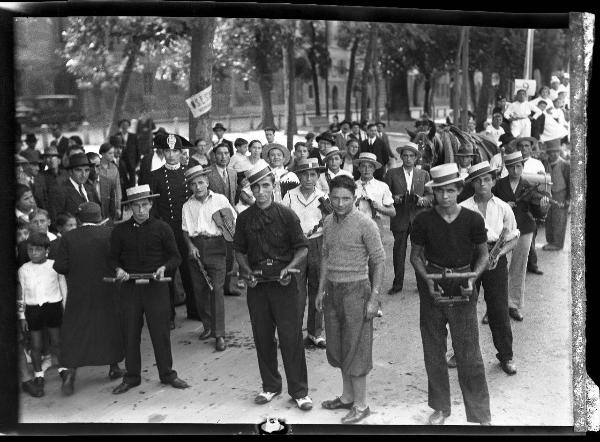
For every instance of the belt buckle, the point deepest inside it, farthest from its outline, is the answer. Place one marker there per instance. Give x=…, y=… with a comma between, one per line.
x=269, y=262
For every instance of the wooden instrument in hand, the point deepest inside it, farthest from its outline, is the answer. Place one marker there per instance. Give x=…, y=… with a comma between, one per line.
x=326, y=208
x=459, y=295
x=256, y=277
x=223, y=218
x=204, y=274
x=494, y=254
x=139, y=278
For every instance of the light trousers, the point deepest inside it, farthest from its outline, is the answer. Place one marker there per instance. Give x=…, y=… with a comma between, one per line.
x=517, y=271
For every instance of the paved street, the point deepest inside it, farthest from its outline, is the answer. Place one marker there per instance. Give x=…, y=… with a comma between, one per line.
x=225, y=383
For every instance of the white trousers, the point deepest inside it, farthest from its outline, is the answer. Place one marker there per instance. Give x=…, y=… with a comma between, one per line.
x=521, y=128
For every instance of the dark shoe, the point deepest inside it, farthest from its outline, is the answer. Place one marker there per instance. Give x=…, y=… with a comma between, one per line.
x=233, y=293
x=177, y=383
x=205, y=334
x=509, y=367
x=30, y=387
x=193, y=316
x=355, y=415
x=335, y=404
x=515, y=314
x=394, y=290
x=485, y=319
x=68, y=379
x=39, y=386
x=534, y=270
x=265, y=396
x=123, y=387
x=220, y=344
x=451, y=362
x=116, y=373
x=172, y=325
x=438, y=417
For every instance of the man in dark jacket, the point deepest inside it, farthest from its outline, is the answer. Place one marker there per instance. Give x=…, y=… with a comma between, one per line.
x=131, y=153
x=77, y=190
x=376, y=145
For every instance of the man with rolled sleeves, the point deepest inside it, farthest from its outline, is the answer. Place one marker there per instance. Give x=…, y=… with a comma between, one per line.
x=269, y=237
x=144, y=244
x=170, y=184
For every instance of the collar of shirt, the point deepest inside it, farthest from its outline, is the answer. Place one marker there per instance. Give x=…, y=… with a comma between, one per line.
x=372, y=140
x=88, y=224
x=172, y=166
x=221, y=170
x=76, y=185
x=208, y=196
x=494, y=217
x=134, y=223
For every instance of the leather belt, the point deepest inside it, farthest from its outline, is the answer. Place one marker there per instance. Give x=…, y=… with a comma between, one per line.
x=207, y=236
x=441, y=269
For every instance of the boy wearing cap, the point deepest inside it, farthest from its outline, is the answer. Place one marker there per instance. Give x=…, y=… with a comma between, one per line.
x=307, y=203
x=207, y=250
x=518, y=194
x=373, y=196
x=333, y=160
x=76, y=190
x=375, y=145
x=449, y=236
x=91, y=333
x=497, y=216
x=410, y=195
x=144, y=244
x=269, y=237
x=518, y=113
x=556, y=221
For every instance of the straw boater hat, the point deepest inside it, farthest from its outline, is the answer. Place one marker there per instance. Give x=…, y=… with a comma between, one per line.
x=259, y=171
x=195, y=171
x=270, y=146
x=445, y=174
x=552, y=145
x=409, y=146
x=480, y=169
x=20, y=159
x=138, y=193
x=465, y=150
x=513, y=158
x=367, y=157
x=308, y=164
x=332, y=151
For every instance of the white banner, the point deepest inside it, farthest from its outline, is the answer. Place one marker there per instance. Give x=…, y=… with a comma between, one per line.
x=528, y=85
x=201, y=102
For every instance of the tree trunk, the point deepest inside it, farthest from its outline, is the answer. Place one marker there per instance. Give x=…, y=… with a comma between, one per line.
x=465, y=81
x=327, y=70
x=201, y=54
x=290, y=85
x=455, y=88
x=265, y=84
x=427, y=89
x=123, y=86
x=399, y=95
x=364, y=83
x=377, y=91
x=481, y=111
x=312, y=58
x=350, y=82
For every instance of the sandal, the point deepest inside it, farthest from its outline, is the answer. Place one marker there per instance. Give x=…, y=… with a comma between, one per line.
x=336, y=404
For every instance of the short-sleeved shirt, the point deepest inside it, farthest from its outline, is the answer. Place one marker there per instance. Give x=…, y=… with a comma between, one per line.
x=271, y=233
x=375, y=190
x=449, y=244
x=196, y=217
x=40, y=284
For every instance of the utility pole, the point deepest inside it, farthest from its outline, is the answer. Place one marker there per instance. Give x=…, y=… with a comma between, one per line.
x=327, y=71
x=465, y=81
x=528, y=70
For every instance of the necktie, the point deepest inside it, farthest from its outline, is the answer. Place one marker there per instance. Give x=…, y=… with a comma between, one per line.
x=82, y=192
x=226, y=181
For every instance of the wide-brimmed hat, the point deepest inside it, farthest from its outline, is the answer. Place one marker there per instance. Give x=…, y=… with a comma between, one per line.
x=195, y=171
x=136, y=193
x=20, y=159
x=532, y=140
x=51, y=151
x=409, y=146
x=326, y=136
x=345, y=122
x=219, y=126
x=445, y=174
x=30, y=138
x=480, y=169
x=465, y=150
x=513, y=158
x=506, y=139
x=78, y=160
x=259, y=171
x=552, y=145
x=270, y=146
x=308, y=164
x=369, y=158
x=380, y=122
x=89, y=212
x=167, y=142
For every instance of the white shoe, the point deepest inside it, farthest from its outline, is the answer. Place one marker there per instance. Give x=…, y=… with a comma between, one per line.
x=304, y=403
x=265, y=396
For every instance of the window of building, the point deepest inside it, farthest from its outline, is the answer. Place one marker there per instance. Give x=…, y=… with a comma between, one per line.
x=148, y=83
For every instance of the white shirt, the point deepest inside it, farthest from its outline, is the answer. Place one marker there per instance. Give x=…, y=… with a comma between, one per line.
x=125, y=137
x=85, y=195
x=307, y=210
x=496, y=162
x=533, y=165
x=494, y=133
x=498, y=214
x=196, y=216
x=522, y=110
x=157, y=162
x=40, y=284
x=375, y=190
x=549, y=104
x=240, y=162
x=322, y=182
x=408, y=175
x=371, y=141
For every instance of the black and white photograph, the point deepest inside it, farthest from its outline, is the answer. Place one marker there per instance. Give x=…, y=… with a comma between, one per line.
x=278, y=218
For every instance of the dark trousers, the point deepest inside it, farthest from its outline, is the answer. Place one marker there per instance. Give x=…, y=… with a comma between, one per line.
x=210, y=304
x=399, y=257
x=532, y=257
x=308, y=285
x=186, y=279
x=462, y=319
x=495, y=293
x=556, y=221
x=229, y=258
x=151, y=300
x=271, y=306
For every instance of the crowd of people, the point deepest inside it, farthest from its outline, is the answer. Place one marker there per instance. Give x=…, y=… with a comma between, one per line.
x=101, y=238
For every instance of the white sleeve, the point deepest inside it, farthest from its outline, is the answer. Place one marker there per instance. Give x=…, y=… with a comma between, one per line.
x=387, y=199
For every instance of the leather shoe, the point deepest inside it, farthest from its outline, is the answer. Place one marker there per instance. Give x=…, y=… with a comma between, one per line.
x=220, y=344
x=485, y=319
x=394, y=290
x=68, y=379
x=176, y=383
x=116, y=373
x=509, y=367
x=356, y=415
x=534, y=270
x=193, y=316
x=335, y=404
x=438, y=417
x=515, y=314
x=123, y=387
x=205, y=334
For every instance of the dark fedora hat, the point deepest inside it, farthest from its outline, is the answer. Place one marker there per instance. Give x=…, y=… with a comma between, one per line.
x=326, y=136
x=219, y=126
x=30, y=138
x=480, y=169
x=380, y=122
x=78, y=160
x=506, y=139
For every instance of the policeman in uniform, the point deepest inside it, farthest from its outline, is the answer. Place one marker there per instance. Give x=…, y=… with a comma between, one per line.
x=170, y=184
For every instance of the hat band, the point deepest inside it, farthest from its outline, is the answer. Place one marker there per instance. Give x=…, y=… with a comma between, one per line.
x=138, y=195
x=259, y=174
x=483, y=171
x=443, y=178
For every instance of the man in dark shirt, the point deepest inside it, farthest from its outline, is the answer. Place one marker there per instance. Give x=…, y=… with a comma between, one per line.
x=144, y=244
x=446, y=237
x=268, y=237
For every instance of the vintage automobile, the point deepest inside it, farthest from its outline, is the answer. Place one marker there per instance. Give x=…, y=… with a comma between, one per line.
x=34, y=111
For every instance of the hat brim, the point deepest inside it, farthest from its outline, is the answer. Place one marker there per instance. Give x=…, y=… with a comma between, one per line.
x=219, y=127
x=512, y=162
x=493, y=172
x=286, y=154
x=365, y=160
x=465, y=154
x=317, y=168
x=329, y=140
x=137, y=198
x=198, y=173
x=78, y=165
x=460, y=178
x=257, y=179
x=412, y=149
x=532, y=140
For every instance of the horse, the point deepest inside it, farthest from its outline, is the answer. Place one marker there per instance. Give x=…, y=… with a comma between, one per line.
x=439, y=146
